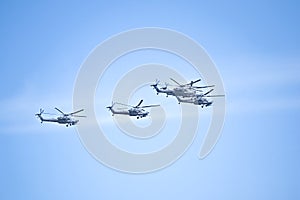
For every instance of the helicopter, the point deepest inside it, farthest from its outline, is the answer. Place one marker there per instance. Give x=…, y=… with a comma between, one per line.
x=65, y=118
x=137, y=110
x=183, y=90
x=199, y=99
x=162, y=90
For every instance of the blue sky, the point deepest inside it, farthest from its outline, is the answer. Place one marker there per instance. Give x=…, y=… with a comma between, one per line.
x=253, y=44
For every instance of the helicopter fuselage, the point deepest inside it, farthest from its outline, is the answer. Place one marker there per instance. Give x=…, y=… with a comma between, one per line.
x=139, y=112
x=198, y=100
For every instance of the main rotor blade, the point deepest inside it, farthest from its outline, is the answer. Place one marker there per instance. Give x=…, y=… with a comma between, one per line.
x=208, y=92
x=124, y=104
x=60, y=111
x=149, y=106
x=78, y=116
x=197, y=90
x=207, y=86
x=139, y=103
x=215, y=96
x=49, y=114
x=175, y=81
x=72, y=113
x=196, y=81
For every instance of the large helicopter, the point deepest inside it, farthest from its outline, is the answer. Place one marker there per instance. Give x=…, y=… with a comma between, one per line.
x=182, y=90
x=137, y=110
x=65, y=118
x=199, y=99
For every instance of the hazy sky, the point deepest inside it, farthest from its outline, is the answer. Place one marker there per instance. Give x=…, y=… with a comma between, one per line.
x=255, y=46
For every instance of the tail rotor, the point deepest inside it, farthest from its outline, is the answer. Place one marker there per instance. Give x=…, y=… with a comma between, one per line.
x=41, y=112
x=110, y=107
x=39, y=115
x=156, y=83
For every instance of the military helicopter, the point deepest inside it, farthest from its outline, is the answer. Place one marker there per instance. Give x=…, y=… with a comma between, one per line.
x=188, y=90
x=65, y=118
x=162, y=89
x=199, y=99
x=183, y=90
x=137, y=110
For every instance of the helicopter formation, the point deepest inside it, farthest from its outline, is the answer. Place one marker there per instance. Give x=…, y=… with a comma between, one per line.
x=184, y=93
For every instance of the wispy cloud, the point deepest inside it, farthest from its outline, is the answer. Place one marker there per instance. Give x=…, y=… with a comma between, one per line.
x=262, y=87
